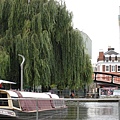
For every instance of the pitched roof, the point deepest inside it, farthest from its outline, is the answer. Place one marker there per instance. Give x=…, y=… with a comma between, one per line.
x=110, y=52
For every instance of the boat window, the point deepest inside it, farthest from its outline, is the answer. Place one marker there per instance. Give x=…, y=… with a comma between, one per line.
x=15, y=102
x=3, y=102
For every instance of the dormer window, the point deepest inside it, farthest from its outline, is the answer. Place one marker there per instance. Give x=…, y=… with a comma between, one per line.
x=118, y=58
x=112, y=57
x=106, y=59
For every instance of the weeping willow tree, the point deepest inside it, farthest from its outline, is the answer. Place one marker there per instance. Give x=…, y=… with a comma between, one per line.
x=42, y=32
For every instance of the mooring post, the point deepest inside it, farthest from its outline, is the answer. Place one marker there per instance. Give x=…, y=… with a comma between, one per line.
x=78, y=110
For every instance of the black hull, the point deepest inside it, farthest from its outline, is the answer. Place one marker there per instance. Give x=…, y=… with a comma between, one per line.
x=56, y=114
x=5, y=117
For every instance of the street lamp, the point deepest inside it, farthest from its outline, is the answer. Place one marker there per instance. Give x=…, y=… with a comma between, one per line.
x=22, y=70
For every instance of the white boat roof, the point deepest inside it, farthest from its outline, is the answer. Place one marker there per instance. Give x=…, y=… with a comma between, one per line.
x=7, y=82
x=31, y=94
x=28, y=94
x=34, y=95
x=53, y=95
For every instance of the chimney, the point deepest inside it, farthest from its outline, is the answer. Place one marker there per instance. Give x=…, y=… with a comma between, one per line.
x=101, y=55
x=109, y=48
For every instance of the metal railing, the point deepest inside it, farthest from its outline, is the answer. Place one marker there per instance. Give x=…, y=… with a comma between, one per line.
x=77, y=109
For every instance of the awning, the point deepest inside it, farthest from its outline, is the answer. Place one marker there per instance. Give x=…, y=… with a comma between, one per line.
x=6, y=82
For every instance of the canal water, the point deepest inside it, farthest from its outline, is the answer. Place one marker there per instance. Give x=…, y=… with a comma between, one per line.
x=92, y=111
x=84, y=111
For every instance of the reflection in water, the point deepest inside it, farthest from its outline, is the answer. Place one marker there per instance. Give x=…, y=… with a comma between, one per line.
x=93, y=111
x=102, y=111
x=86, y=111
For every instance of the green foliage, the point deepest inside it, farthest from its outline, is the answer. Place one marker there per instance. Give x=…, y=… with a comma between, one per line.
x=42, y=32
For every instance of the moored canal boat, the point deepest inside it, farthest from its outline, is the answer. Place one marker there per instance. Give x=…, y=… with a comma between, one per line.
x=27, y=105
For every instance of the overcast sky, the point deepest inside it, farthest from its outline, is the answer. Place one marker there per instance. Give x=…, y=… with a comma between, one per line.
x=99, y=20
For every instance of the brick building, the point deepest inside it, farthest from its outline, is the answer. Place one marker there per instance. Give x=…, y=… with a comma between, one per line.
x=108, y=61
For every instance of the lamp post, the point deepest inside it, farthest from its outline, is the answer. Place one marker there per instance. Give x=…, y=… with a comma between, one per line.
x=22, y=70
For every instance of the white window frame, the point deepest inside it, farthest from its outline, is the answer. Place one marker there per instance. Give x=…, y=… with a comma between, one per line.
x=118, y=69
x=107, y=70
x=113, y=68
x=106, y=59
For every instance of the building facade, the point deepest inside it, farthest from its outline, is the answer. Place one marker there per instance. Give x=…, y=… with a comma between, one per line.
x=108, y=61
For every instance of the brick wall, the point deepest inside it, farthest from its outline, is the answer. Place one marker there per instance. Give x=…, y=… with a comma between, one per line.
x=101, y=56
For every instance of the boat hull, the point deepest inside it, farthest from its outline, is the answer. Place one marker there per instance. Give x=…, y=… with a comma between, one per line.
x=6, y=114
x=57, y=114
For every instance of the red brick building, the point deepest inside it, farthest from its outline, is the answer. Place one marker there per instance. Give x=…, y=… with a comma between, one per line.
x=108, y=61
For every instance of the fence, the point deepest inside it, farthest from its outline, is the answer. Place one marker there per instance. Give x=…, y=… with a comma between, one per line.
x=54, y=109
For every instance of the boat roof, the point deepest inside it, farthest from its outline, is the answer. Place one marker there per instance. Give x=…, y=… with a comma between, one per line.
x=7, y=82
x=53, y=95
x=25, y=94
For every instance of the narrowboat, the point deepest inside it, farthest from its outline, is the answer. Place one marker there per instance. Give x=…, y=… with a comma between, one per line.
x=25, y=105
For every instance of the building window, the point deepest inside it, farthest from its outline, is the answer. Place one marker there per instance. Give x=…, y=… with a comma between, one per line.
x=113, y=68
x=107, y=68
x=118, y=68
x=106, y=58
x=98, y=68
x=116, y=58
x=109, y=58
